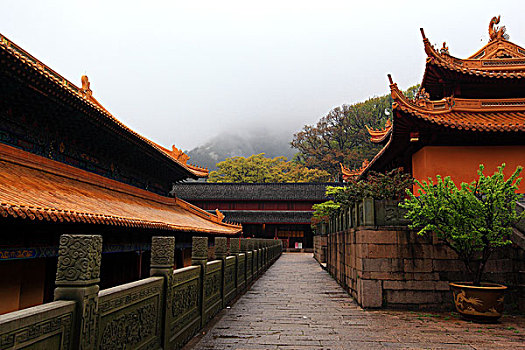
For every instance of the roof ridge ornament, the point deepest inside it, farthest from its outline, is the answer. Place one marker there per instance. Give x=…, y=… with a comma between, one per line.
x=497, y=33
x=444, y=49
x=220, y=216
x=422, y=98
x=86, y=86
x=179, y=155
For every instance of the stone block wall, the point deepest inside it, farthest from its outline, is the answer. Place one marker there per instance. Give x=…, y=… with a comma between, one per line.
x=396, y=268
x=381, y=263
x=320, y=248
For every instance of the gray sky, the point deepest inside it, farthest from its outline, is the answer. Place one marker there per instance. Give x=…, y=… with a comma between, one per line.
x=179, y=72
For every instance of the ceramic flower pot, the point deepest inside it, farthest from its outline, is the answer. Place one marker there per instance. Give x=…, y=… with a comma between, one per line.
x=479, y=303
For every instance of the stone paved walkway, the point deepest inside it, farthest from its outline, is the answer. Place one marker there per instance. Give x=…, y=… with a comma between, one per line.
x=297, y=305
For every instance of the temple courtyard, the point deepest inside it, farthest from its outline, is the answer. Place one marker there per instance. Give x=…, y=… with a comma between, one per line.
x=297, y=305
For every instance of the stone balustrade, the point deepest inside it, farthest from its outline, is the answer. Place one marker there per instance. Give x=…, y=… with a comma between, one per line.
x=163, y=311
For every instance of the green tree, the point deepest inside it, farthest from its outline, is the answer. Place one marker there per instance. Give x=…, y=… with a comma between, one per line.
x=473, y=220
x=258, y=168
x=341, y=136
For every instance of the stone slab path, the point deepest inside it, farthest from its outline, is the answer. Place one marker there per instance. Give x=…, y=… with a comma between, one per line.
x=297, y=305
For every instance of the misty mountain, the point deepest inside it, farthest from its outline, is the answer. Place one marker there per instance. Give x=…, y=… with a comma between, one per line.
x=242, y=143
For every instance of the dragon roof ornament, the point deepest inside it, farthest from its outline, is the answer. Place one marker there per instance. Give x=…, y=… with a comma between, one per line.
x=495, y=32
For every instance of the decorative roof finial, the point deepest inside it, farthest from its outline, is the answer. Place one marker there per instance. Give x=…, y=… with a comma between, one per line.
x=220, y=215
x=85, y=86
x=390, y=79
x=179, y=154
x=497, y=33
x=444, y=49
x=422, y=33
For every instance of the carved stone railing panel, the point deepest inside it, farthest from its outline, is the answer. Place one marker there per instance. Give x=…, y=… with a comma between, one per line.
x=185, y=311
x=388, y=213
x=229, y=279
x=212, y=290
x=48, y=326
x=241, y=272
x=130, y=315
x=160, y=312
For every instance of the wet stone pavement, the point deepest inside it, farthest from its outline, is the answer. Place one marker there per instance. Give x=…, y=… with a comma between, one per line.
x=297, y=305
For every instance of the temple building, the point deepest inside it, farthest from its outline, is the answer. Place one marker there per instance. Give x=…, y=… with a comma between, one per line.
x=467, y=112
x=68, y=166
x=265, y=210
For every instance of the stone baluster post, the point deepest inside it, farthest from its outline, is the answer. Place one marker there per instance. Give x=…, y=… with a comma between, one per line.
x=162, y=261
x=368, y=212
x=77, y=278
x=244, y=249
x=199, y=257
x=259, y=254
x=221, y=252
x=266, y=258
x=235, y=250
x=234, y=246
x=253, y=243
x=251, y=248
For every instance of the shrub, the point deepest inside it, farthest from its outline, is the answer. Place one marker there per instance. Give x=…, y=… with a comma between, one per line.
x=473, y=220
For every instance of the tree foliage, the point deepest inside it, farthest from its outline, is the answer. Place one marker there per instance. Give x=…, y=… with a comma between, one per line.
x=323, y=211
x=341, y=136
x=391, y=185
x=258, y=168
x=473, y=220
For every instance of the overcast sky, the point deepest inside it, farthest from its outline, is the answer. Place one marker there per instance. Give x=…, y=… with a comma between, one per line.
x=180, y=72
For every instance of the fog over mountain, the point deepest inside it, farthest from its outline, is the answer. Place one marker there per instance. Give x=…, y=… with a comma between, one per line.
x=243, y=143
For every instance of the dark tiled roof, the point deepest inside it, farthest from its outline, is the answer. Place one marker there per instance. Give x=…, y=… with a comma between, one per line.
x=268, y=216
x=252, y=191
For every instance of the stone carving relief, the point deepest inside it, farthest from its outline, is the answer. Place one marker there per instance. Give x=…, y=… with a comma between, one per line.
x=199, y=249
x=130, y=328
x=62, y=323
x=88, y=329
x=229, y=276
x=221, y=248
x=185, y=299
x=234, y=245
x=162, y=251
x=79, y=260
x=212, y=285
x=107, y=305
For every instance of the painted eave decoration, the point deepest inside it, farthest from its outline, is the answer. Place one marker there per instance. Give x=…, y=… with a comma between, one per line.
x=498, y=59
x=85, y=94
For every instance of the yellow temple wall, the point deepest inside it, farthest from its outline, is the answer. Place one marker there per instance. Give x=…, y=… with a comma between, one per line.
x=462, y=162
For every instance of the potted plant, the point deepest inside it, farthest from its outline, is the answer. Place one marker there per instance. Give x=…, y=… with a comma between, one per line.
x=473, y=220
